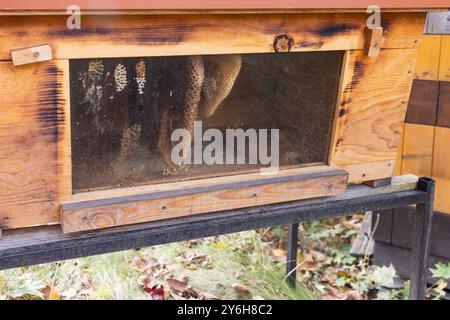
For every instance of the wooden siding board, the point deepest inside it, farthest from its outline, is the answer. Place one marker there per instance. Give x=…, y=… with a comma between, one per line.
x=32, y=126
x=428, y=60
x=374, y=98
x=443, y=117
x=165, y=35
x=444, y=65
x=422, y=106
x=441, y=172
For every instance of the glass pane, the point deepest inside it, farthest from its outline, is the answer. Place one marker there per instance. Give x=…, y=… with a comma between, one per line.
x=124, y=111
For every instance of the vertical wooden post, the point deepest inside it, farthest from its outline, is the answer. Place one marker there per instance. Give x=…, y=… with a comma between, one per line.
x=420, y=240
x=292, y=246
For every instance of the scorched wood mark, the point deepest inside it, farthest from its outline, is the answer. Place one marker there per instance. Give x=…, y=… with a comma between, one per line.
x=162, y=34
x=333, y=29
x=51, y=102
x=358, y=74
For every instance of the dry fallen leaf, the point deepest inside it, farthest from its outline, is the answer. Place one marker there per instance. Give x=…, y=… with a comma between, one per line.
x=182, y=290
x=206, y=296
x=50, y=293
x=177, y=285
x=240, y=288
x=277, y=254
x=339, y=296
x=318, y=256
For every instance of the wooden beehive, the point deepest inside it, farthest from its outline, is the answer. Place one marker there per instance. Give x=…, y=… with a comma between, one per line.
x=423, y=151
x=343, y=85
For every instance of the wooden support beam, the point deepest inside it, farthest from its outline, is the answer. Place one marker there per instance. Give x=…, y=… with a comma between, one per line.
x=373, y=38
x=31, y=54
x=27, y=246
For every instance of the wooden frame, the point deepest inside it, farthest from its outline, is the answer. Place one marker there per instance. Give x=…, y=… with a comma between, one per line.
x=369, y=115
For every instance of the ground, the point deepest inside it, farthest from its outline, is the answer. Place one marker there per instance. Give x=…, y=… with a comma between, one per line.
x=246, y=265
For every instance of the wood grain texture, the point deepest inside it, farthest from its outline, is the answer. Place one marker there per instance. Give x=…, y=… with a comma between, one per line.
x=429, y=55
x=441, y=172
x=253, y=190
x=444, y=62
x=164, y=35
x=418, y=149
x=33, y=126
x=366, y=171
x=443, y=117
x=423, y=102
x=372, y=104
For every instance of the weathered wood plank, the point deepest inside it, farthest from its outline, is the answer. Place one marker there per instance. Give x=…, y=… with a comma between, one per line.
x=372, y=105
x=248, y=190
x=163, y=35
x=438, y=23
x=422, y=106
x=33, y=124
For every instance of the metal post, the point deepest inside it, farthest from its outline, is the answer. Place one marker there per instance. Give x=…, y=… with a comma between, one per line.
x=292, y=246
x=420, y=239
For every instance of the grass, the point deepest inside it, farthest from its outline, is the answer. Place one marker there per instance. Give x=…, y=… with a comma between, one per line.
x=246, y=265
x=212, y=265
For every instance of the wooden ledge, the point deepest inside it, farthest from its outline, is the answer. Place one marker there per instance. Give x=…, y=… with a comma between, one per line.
x=110, y=208
x=28, y=246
